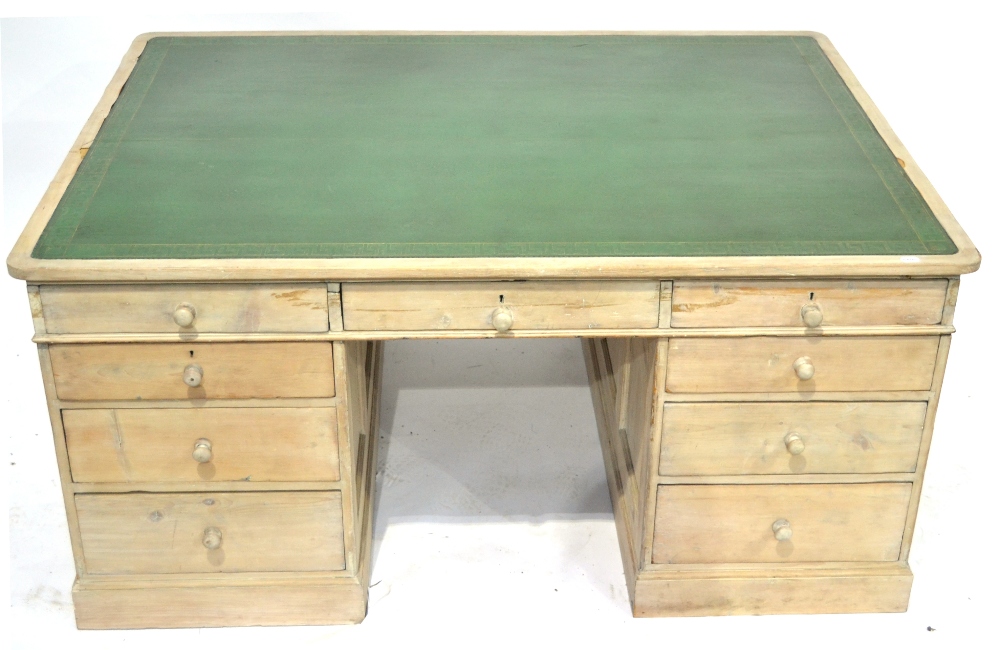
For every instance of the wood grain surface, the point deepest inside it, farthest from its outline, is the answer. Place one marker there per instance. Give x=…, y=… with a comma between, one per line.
x=742, y=303
x=155, y=371
x=218, y=308
x=766, y=364
x=698, y=524
x=247, y=444
x=469, y=305
x=706, y=438
x=163, y=533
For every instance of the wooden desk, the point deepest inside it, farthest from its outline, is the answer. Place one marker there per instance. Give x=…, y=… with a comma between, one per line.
x=763, y=280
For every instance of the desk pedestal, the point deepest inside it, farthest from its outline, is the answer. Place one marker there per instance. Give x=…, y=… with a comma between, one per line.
x=764, y=533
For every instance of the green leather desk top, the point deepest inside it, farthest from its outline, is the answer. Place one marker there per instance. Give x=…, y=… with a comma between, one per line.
x=487, y=146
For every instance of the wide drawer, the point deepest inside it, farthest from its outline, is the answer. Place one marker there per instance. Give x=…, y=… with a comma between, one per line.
x=150, y=371
x=185, y=308
x=732, y=438
x=788, y=303
x=207, y=444
x=620, y=304
x=211, y=532
x=768, y=364
x=698, y=524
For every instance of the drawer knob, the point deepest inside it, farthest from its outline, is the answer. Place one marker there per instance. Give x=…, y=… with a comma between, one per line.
x=184, y=315
x=812, y=315
x=202, y=450
x=193, y=375
x=212, y=538
x=782, y=530
x=503, y=319
x=804, y=368
x=794, y=444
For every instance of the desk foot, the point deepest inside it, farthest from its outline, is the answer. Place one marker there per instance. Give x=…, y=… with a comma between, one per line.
x=714, y=593
x=282, y=602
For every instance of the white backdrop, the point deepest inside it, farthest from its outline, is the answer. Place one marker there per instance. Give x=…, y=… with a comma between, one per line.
x=493, y=522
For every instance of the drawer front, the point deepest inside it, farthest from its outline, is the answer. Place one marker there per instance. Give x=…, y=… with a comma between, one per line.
x=172, y=533
x=780, y=303
x=768, y=364
x=153, y=371
x=706, y=438
x=166, y=308
x=698, y=524
x=471, y=305
x=202, y=444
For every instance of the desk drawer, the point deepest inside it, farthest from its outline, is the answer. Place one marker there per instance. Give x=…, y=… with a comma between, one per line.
x=734, y=438
x=471, y=305
x=698, y=524
x=787, y=303
x=232, y=444
x=166, y=308
x=173, y=533
x=774, y=364
x=151, y=371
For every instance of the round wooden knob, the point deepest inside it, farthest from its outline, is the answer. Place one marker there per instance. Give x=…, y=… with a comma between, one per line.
x=193, y=375
x=812, y=315
x=202, y=450
x=804, y=368
x=212, y=538
x=503, y=319
x=794, y=444
x=184, y=315
x=782, y=530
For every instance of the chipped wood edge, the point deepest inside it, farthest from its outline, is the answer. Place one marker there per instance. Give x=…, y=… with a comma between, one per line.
x=21, y=265
x=666, y=301
x=37, y=313
x=950, y=302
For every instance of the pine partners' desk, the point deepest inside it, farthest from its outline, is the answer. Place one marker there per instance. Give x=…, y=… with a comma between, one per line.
x=763, y=280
